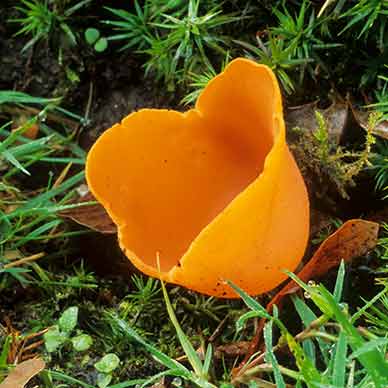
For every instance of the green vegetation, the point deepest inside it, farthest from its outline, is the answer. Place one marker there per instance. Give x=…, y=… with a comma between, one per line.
x=175, y=43
x=334, y=329
x=26, y=217
x=199, y=81
x=106, y=366
x=336, y=167
x=94, y=38
x=94, y=329
x=45, y=22
x=369, y=18
x=380, y=167
x=59, y=334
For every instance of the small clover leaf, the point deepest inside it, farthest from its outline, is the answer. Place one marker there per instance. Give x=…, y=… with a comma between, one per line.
x=108, y=363
x=82, y=342
x=68, y=320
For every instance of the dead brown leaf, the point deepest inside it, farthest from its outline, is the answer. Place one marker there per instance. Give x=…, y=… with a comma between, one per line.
x=93, y=217
x=233, y=349
x=381, y=129
x=21, y=118
x=23, y=373
x=161, y=384
x=303, y=116
x=353, y=239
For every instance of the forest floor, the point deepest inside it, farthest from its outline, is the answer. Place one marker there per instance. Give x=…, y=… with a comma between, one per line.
x=70, y=297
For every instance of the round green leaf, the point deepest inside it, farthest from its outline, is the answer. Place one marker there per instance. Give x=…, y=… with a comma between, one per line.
x=82, y=342
x=54, y=339
x=103, y=380
x=91, y=35
x=68, y=320
x=108, y=363
x=101, y=45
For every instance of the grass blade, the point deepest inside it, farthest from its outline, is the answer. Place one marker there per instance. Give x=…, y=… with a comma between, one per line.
x=157, y=354
x=188, y=348
x=270, y=356
x=339, y=283
x=339, y=366
x=250, y=302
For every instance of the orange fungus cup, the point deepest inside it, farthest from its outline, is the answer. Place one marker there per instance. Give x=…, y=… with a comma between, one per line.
x=213, y=192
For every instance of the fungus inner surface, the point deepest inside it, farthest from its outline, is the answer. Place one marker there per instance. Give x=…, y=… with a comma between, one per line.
x=171, y=174
x=171, y=193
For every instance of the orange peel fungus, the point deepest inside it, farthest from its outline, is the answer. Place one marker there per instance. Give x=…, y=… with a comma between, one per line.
x=214, y=192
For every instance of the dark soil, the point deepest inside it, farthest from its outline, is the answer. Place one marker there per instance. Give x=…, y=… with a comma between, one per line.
x=109, y=85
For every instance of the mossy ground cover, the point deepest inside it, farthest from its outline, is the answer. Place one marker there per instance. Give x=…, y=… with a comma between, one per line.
x=69, y=70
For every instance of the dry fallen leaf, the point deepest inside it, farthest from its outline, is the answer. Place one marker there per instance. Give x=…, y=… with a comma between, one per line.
x=23, y=373
x=303, y=116
x=353, y=239
x=92, y=216
x=20, y=118
x=233, y=349
x=381, y=129
x=165, y=382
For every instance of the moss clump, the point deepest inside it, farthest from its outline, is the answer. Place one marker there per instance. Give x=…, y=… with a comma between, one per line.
x=325, y=164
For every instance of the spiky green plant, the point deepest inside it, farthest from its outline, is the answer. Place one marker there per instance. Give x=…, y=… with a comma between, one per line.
x=41, y=20
x=185, y=41
x=368, y=15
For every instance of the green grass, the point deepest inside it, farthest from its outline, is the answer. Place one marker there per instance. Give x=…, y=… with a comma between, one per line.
x=335, y=326
x=185, y=41
x=198, y=81
x=379, y=167
x=277, y=55
x=29, y=218
x=330, y=350
x=43, y=21
x=370, y=18
x=176, y=38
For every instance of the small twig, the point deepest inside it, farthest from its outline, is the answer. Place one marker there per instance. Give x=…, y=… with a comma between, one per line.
x=217, y=331
x=24, y=260
x=23, y=348
x=309, y=332
x=266, y=368
x=62, y=175
x=18, y=348
x=28, y=356
x=34, y=335
x=89, y=102
x=34, y=345
x=324, y=6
